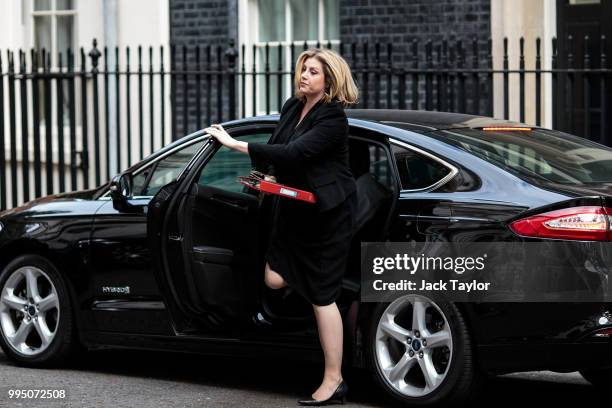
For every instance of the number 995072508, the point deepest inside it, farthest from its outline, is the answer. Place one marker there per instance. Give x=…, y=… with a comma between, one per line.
x=35, y=393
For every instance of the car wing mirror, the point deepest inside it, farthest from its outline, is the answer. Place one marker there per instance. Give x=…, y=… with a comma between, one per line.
x=121, y=192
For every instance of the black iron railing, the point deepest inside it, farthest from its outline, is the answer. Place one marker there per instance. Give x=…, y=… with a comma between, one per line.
x=74, y=125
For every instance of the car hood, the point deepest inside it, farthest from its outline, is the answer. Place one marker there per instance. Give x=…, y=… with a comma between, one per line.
x=78, y=203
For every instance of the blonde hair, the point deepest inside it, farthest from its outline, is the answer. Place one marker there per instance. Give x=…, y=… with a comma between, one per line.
x=339, y=81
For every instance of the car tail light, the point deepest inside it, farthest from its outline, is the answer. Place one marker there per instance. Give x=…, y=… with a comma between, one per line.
x=605, y=333
x=588, y=223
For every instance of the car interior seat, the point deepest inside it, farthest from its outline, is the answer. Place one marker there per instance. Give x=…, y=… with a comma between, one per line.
x=374, y=198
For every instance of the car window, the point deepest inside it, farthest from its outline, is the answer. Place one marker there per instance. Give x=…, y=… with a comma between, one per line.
x=166, y=170
x=366, y=157
x=139, y=180
x=380, y=167
x=223, y=168
x=539, y=153
x=417, y=171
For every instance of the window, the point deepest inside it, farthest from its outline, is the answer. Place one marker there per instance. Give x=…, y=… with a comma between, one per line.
x=53, y=23
x=539, y=154
x=370, y=158
x=417, y=171
x=221, y=171
x=282, y=23
x=54, y=26
x=298, y=20
x=583, y=2
x=379, y=166
x=164, y=171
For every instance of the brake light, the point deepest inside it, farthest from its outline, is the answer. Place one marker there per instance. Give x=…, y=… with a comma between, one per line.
x=605, y=333
x=588, y=223
x=506, y=129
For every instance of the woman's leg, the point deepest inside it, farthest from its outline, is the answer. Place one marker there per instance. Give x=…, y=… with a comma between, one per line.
x=273, y=279
x=329, y=323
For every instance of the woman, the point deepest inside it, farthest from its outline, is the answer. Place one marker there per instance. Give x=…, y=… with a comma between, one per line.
x=310, y=243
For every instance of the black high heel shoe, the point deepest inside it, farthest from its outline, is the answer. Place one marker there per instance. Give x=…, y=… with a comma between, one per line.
x=338, y=397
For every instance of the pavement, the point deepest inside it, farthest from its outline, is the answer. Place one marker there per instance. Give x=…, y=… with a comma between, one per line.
x=153, y=379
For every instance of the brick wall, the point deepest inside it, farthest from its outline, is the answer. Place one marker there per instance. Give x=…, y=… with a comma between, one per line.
x=401, y=21
x=201, y=23
x=204, y=22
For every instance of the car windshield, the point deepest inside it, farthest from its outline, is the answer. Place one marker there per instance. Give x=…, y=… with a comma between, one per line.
x=545, y=154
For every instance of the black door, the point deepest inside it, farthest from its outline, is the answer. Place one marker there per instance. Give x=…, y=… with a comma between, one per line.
x=580, y=96
x=424, y=214
x=124, y=289
x=206, y=241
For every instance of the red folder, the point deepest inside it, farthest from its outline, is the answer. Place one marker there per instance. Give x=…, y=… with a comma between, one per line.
x=256, y=181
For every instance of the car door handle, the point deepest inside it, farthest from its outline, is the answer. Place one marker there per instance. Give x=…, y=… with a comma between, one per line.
x=230, y=203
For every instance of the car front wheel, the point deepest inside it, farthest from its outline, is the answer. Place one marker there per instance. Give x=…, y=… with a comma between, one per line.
x=36, y=323
x=420, y=351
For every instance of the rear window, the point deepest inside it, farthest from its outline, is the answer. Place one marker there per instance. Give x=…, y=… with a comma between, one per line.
x=545, y=154
x=417, y=171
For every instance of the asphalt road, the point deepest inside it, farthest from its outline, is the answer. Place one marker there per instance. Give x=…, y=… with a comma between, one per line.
x=149, y=379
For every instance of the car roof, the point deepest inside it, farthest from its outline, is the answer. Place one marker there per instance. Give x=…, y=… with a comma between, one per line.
x=416, y=120
x=426, y=120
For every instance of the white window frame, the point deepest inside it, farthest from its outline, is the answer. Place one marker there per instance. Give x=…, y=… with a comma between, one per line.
x=54, y=14
x=248, y=34
x=31, y=35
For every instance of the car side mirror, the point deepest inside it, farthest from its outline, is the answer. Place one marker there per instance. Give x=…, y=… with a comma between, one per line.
x=121, y=192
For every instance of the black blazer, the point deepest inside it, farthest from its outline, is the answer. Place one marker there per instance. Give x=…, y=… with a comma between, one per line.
x=319, y=148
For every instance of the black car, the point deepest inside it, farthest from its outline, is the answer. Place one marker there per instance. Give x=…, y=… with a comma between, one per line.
x=169, y=255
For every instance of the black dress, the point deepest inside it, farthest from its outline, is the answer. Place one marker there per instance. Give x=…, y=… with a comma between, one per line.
x=309, y=248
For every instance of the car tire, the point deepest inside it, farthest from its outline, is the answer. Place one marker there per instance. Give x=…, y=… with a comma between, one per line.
x=36, y=317
x=449, y=352
x=601, y=378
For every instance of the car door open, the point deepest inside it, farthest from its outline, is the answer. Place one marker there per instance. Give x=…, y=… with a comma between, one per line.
x=208, y=242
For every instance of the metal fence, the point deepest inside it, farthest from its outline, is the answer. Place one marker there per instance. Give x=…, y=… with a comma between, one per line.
x=72, y=121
